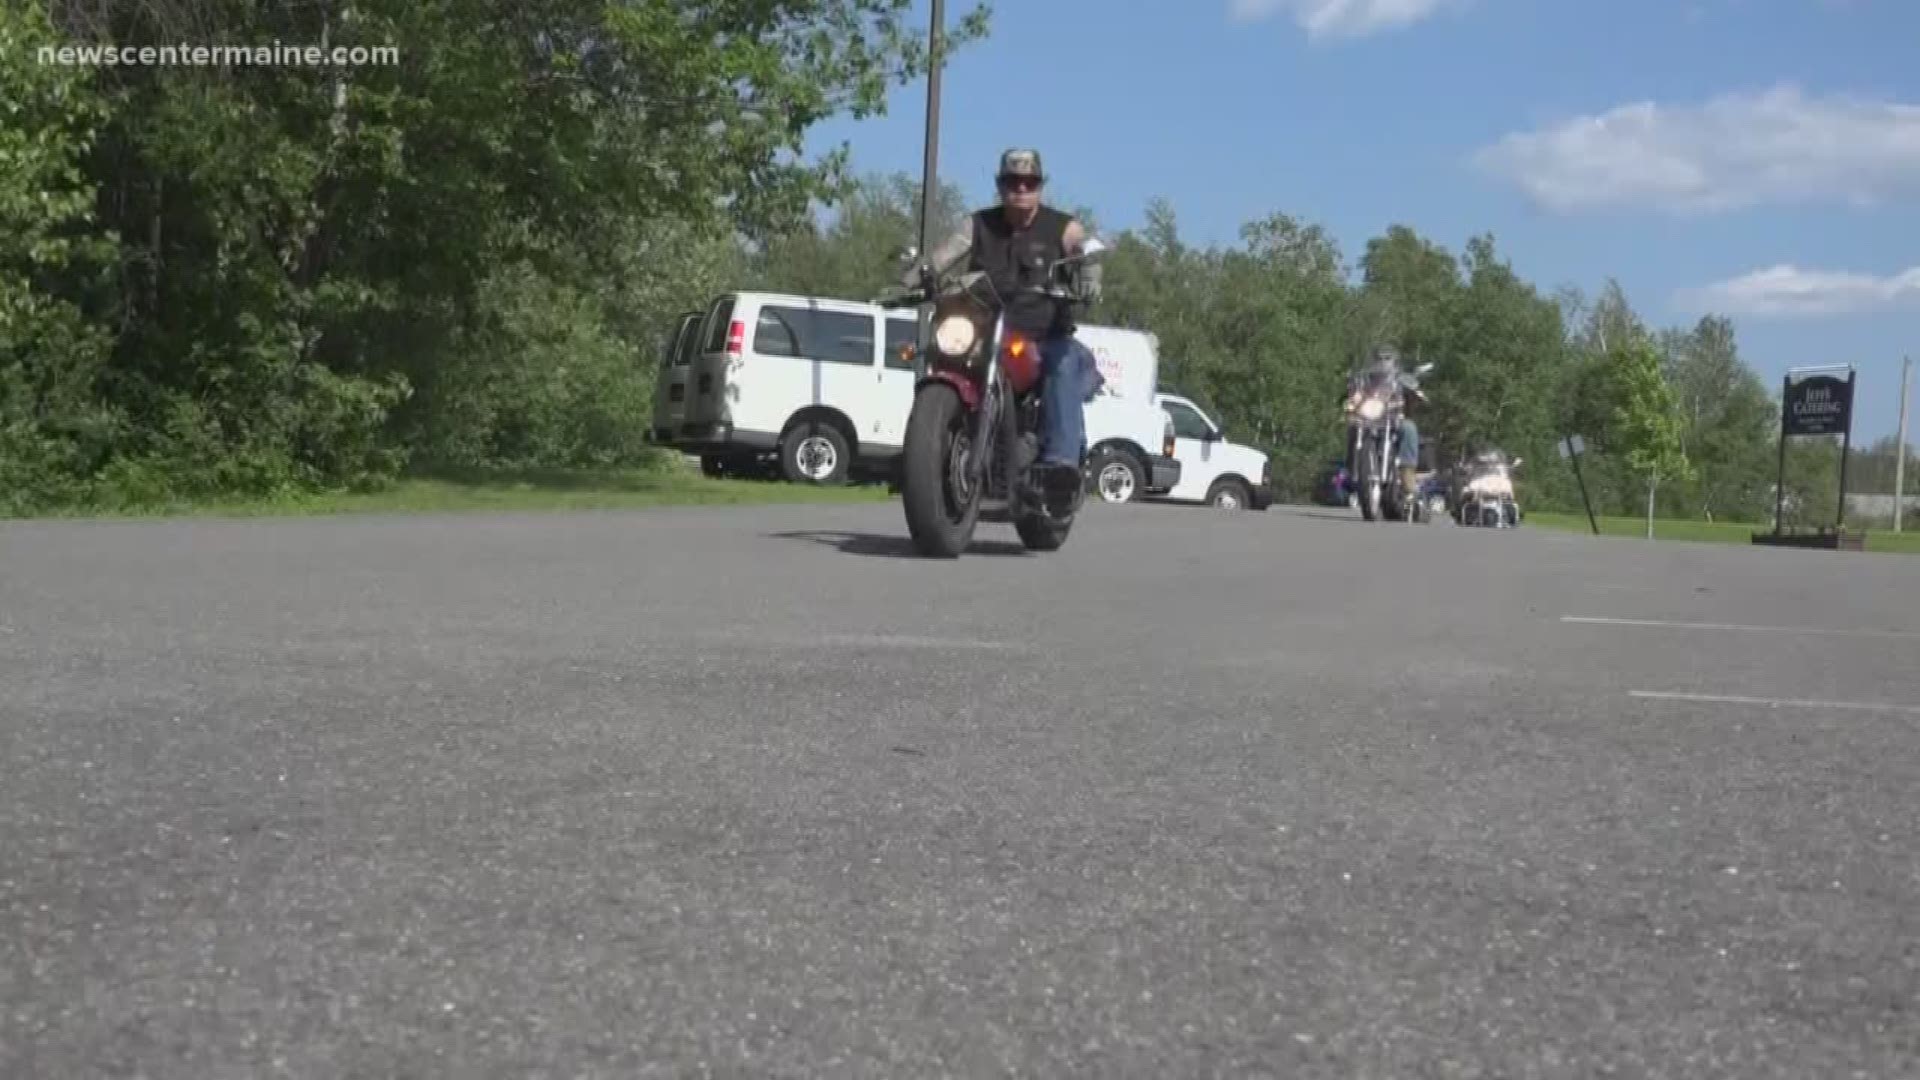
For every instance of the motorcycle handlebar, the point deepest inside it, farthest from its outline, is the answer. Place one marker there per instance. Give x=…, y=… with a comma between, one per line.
x=915, y=297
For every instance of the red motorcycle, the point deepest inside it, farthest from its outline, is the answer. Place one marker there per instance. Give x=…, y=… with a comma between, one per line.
x=974, y=431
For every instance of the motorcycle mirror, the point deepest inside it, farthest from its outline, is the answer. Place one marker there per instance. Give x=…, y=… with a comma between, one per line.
x=905, y=255
x=1519, y=461
x=1423, y=368
x=1093, y=250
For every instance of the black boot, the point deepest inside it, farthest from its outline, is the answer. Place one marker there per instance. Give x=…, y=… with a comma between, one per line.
x=1058, y=484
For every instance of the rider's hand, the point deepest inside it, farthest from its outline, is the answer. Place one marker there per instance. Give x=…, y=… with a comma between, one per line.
x=1089, y=285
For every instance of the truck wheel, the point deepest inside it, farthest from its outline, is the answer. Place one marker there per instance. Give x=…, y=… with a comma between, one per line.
x=814, y=452
x=1229, y=494
x=1115, y=476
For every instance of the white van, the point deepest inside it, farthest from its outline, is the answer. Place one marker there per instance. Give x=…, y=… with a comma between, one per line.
x=818, y=384
x=670, y=382
x=1213, y=471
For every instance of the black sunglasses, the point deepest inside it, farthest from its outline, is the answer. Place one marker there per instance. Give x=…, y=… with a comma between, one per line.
x=1019, y=183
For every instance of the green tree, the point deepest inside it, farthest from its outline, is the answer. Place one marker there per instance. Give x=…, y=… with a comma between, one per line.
x=1727, y=423
x=1410, y=295
x=319, y=274
x=53, y=427
x=848, y=257
x=1647, y=427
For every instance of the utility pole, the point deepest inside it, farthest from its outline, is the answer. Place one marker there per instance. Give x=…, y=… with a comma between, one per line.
x=1900, y=449
x=930, y=170
x=930, y=174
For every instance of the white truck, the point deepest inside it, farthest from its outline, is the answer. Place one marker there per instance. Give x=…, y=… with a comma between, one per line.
x=1203, y=467
x=820, y=385
x=1130, y=440
x=1214, y=471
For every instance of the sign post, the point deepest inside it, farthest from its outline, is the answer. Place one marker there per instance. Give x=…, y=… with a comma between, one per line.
x=1900, y=451
x=1571, y=448
x=1815, y=402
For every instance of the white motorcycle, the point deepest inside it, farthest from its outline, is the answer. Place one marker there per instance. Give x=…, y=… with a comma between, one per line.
x=1485, y=494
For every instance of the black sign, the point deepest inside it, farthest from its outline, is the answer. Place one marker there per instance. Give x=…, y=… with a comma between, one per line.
x=1818, y=405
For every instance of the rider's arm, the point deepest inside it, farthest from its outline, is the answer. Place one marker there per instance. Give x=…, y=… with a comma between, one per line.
x=1074, y=241
x=944, y=256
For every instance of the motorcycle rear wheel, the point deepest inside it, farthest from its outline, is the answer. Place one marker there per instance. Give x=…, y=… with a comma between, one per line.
x=940, y=518
x=1041, y=533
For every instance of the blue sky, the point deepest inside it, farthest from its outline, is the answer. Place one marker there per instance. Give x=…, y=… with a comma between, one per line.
x=1757, y=158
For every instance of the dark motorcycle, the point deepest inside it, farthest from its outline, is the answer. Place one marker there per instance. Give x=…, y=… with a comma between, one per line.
x=1373, y=411
x=974, y=430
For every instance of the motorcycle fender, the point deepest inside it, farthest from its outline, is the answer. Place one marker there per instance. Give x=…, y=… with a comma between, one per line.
x=969, y=391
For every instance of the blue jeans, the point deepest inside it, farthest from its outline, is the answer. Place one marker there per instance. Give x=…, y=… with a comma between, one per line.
x=1409, y=443
x=1068, y=380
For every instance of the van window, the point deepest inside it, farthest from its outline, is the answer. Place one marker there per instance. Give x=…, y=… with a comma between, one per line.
x=836, y=337
x=717, y=325
x=901, y=334
x=689, y=342
x=686, y=336
x=1187, y=424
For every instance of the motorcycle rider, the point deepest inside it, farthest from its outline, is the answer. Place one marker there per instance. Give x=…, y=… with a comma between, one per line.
x=1015, y=242
x=1385, y=367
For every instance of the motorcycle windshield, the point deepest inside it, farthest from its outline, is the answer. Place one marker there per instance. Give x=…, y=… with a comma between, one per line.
x=975, y=289
x=1494, y=465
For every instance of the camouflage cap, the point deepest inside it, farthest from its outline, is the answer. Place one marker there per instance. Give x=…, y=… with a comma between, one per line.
x=1021, y=163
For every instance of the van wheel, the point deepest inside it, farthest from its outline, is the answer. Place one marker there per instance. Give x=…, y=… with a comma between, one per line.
x=1115, y=476
x=814, y=452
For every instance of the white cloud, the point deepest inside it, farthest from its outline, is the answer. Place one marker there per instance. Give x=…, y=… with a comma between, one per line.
x=1788, y=290
x=1734, y=151
x=1340, y=18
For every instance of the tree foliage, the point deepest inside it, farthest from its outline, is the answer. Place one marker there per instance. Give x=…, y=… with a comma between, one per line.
x=233, y=279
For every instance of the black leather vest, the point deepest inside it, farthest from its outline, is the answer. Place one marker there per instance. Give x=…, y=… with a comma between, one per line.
x=1018, y=258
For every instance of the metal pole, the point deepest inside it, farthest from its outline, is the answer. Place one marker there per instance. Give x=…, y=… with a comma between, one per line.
x=1780, y=477
x=930, y=168
x=1584, y=500
x=1900, y=449
x=1846, y=451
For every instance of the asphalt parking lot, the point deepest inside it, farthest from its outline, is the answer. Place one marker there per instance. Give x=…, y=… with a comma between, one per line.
x=754, y=792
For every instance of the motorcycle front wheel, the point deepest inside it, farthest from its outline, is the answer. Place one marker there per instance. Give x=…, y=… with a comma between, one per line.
x=1368, y=486
x=942, y=504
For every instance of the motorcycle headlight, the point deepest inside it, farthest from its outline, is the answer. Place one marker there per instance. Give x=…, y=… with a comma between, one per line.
x=1372, y=409
x=954, y=335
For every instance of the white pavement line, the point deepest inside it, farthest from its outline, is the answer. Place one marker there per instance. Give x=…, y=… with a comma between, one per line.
x=1774, y=703
x=850, y=641
x=1665, y=625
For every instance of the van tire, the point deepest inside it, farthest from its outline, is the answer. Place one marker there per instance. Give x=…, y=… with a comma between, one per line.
x=1120, y=466
x=810, y=444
